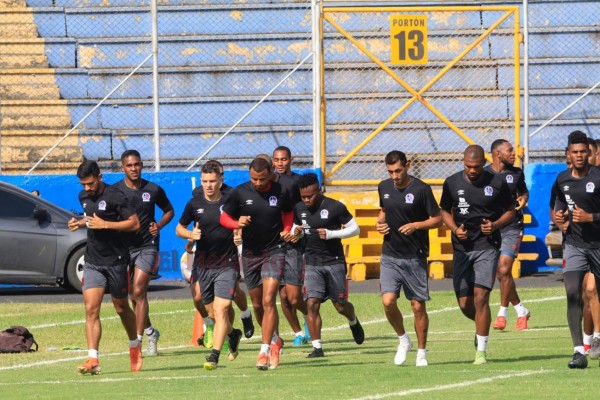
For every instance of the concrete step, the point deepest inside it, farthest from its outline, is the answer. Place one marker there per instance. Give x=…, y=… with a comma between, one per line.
x=12, y=3
x=15, y=46
x=28, y=92
x=23, y=61
x=17, y=30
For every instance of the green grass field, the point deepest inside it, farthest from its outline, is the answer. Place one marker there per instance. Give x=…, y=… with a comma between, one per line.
x=530, y=364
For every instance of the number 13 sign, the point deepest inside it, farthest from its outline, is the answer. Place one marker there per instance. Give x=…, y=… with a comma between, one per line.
x=408, y=36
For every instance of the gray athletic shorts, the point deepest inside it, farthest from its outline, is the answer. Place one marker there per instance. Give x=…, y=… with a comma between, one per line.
x=326, y=282
x=474, y=268
x=294, y=267
x=410, y=273
x=218, y=282
x=269, y=265
x=145, y=259
x=580, y=259
x=511, y=241
x=113, y=278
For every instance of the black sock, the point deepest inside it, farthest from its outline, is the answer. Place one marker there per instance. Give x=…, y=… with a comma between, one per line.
x=215, y=353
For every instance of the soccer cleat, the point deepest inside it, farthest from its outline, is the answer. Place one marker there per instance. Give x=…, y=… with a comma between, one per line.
x=579, y=361
x=234, y=342
x=421, y=360
x=306, y=332
x=480, y=358
x=248, y=327
x=200, y=341
x=208, y=336
x=90, y=366
x=276, y=351
x=211, y=362
x=500, y=323
x=522, y=322
x=299, y=340
x=152, y=349
x=357, y=332
x=135, y=357
x=403, y=349
x=316, y=353
x=595, y=348
x=262, y=362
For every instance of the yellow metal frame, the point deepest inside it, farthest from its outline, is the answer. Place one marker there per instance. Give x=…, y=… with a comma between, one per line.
x=417, y=96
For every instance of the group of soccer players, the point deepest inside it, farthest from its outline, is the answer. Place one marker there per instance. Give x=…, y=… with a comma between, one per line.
x=282, y=235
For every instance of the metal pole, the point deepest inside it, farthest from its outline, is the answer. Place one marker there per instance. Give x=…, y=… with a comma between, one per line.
x=316, y=43
x=89, y=113
x=526, y=80
x=250, y=111
x=155, y=99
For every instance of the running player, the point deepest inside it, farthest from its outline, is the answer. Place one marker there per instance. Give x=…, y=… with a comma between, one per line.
x=475, y=205
x=324, y=222
x=215, y=261
x=106, y=215
x=503, y=160
x=263, y=210
x=577, y=214
x=408, y=211
x=143, y=197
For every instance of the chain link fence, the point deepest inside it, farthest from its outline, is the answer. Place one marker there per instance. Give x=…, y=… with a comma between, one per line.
x=216, y=61
x=457, y=85
x=564, y=65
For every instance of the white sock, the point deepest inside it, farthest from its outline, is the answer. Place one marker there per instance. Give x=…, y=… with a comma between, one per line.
x=503, y=312
x=265, y=348
x=149, y=330
x=521, y=310
x=482, y=343
x=300, y=333
x=316, y=343
x=587, y=339
x=422, y=352
x=134, y=343
x=93, y=353
x=140, y=337
x=245, y=314
x=597, y=335
x=352, y=323
x=209, y=321
x=579, y=349
x=274, y=338
x=404, y=338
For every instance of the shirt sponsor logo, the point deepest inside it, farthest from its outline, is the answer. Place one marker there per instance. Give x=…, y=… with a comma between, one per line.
x=102, y=205
x=570, y=202
x=589, y=187
x=324, y=214
x=145, y=197
x=305, y=226
x=509, y=178
x=488, y=191
x=273, y=201
x=249, y=202
x=463, y=206
x=409, y=198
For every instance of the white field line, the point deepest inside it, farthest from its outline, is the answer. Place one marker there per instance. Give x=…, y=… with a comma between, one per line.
x=457, y=385
x=113, y=380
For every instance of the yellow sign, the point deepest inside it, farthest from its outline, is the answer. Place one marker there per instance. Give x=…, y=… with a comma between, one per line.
x=408, y=37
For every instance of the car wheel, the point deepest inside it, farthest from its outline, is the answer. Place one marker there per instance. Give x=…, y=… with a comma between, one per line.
x=74, y=271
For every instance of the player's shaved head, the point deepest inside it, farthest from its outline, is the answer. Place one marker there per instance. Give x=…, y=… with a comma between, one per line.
x=474, y=152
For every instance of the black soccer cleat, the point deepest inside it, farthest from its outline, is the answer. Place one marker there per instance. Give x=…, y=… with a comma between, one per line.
x=200, y=341
x=578, y=361
x=316, y=353
x=248, y=327
x=357, y=332
x=234, y=341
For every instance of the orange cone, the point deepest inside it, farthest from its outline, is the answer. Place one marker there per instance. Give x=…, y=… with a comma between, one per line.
x=197, y=329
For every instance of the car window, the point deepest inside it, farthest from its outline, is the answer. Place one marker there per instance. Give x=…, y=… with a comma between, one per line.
x=13, y=206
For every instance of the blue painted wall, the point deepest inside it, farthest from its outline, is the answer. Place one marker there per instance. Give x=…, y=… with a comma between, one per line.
x=63, y=190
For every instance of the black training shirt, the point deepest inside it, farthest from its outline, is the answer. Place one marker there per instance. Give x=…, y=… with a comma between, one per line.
x=106, y=247
x=515, y=179
x=402, y=206
x=471, y=202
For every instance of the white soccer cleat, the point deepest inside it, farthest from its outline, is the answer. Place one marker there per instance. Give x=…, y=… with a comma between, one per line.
x=403, y=349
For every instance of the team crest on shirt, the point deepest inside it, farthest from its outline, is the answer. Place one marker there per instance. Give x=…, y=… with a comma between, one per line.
x=102, y=205
x=589, y=187
x=509, y=178
x=409, y=198
x=145, y=197
x=488, y=191
x=273, y=201
x=324, y=214
x=200, y=211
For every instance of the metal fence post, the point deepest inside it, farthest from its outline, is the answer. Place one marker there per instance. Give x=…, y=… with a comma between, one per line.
x=526, y=80
x=316, y=49
x=155, y=95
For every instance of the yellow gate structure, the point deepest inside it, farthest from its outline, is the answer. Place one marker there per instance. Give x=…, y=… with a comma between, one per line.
x=424, y=80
